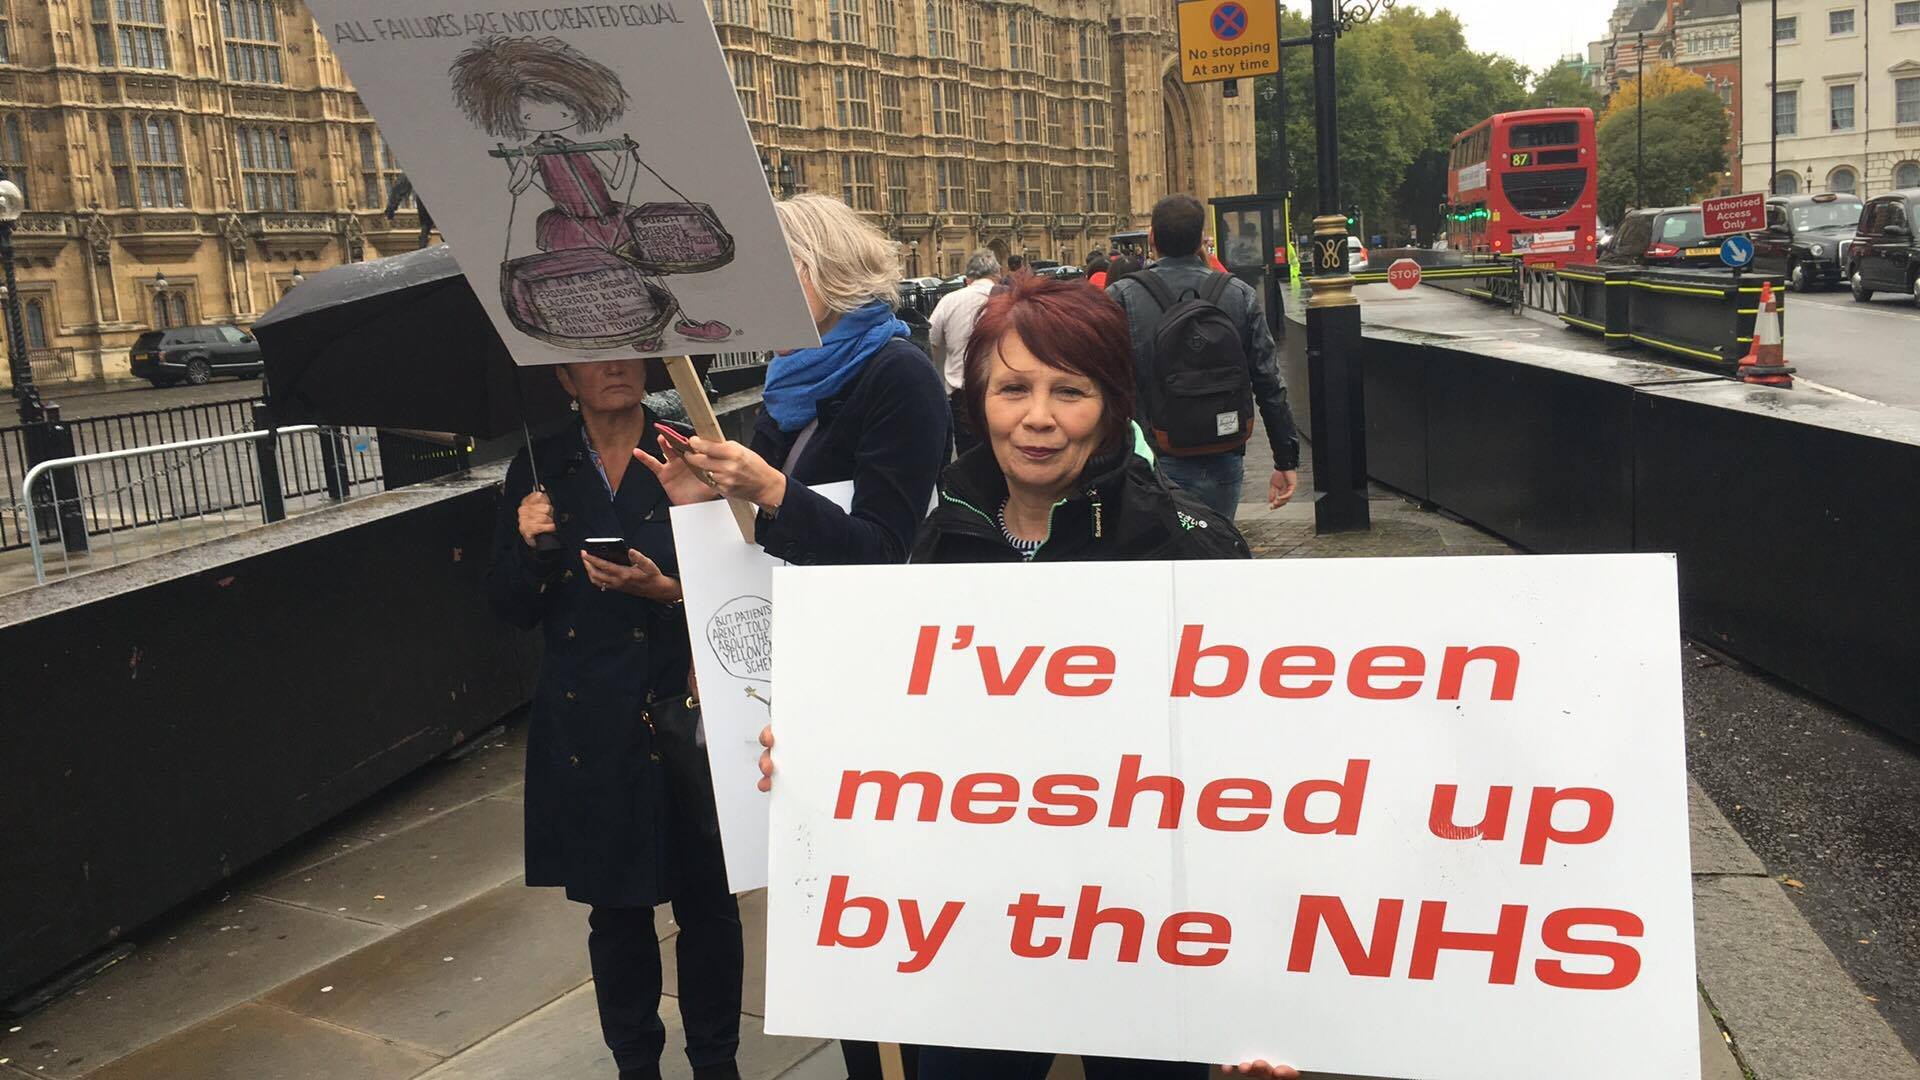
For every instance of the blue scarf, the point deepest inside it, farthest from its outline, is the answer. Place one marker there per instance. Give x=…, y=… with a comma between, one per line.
x=800, y=380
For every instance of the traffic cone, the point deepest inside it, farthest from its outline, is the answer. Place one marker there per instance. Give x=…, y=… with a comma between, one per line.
x=1766, y=361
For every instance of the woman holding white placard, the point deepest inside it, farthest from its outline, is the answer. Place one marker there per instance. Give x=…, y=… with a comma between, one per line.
x=1061, y=477
x=865, y=406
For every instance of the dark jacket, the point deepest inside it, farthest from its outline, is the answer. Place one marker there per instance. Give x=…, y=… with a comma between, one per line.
x=1186, y=274
x=886, y=431
x=596, y=799
x=1121, y=511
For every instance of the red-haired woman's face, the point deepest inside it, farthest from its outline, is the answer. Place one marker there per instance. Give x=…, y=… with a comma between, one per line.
x=1043, y=423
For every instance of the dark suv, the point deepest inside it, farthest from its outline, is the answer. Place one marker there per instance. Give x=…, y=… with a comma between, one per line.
x=1806, y=238
x=194, y=354
x=1885, y=257
x=1670, y=236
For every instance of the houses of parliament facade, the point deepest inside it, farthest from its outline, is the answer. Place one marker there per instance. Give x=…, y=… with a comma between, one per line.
x=184, y=160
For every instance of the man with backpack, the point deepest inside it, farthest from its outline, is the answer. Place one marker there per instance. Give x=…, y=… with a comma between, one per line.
x=1203, y=359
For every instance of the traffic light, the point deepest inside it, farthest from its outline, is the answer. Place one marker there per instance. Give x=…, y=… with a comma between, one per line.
x=1353, y=218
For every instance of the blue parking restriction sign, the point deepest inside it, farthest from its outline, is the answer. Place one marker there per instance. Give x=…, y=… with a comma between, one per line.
x=1737, y=252
x=1229, y=21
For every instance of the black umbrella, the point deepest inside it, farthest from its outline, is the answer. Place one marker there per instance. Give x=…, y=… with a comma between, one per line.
x=399, y=342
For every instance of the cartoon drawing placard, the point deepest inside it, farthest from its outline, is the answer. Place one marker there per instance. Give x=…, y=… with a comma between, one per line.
x=730, y=618
x=590, y=167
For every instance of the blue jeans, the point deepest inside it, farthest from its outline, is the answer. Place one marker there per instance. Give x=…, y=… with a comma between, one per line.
x=1214, y=479
x=949, y=1063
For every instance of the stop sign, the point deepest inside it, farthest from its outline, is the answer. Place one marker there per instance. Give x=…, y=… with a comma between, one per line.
x=1404, y=274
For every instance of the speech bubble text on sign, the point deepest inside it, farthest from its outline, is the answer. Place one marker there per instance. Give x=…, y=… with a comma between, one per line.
x=1173, y=826
x=741, y=636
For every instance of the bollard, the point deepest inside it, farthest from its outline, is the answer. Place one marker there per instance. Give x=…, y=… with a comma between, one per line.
x=47, y=440
x=334, y=460
x=273, y=501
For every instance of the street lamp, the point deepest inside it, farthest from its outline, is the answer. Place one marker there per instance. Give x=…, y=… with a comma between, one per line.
x=297, y=278
x=27, y=395
x=1338, y=401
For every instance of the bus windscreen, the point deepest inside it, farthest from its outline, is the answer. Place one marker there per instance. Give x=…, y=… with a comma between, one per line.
x=1545, y=194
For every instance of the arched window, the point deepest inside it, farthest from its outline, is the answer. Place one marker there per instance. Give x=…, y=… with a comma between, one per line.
x=179, y=309
x=36, y=325
x=13, y=155
x=252, y=31
x=1843, y=180
x=1907, y=174
x=266, y=168
x=1787, y=183
x=149, y=168
x=161, y=319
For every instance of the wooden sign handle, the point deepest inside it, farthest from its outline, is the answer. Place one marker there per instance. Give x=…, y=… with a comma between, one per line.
x=892, y=1066
x=693, y=396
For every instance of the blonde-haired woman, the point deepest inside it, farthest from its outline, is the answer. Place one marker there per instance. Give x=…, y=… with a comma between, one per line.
x=865, y=406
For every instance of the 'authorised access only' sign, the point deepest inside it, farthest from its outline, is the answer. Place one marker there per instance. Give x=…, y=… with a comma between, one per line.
x=1228, y=39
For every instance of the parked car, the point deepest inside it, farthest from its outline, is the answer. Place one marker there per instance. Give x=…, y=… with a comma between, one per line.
x=1885, y=257
x=1666, y=236
x=1806, y=237
x=195, y=354
x=1064, y=273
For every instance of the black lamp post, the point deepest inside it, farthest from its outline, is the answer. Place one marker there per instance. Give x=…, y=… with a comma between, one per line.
x=779, y=178
x=1338, y=401
x=25, y=393
x=1639, y=125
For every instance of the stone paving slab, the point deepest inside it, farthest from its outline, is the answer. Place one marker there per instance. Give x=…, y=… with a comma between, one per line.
x=259, y=1042
x=450, y=981
x=417, y=872
x=441, y=786
x=563, y=1040
x=1717, y=849
x=182, y=972
x=1792, y=1012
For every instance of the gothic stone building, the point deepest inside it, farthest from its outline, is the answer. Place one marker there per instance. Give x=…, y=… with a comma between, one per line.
x=216, y=145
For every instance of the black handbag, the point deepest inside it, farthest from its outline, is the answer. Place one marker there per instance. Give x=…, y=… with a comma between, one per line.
x=678, y=740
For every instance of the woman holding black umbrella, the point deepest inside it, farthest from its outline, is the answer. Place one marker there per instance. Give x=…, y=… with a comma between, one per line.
x=618, y=810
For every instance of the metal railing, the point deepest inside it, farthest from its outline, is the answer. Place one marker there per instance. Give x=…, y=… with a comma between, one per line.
x=122, y=431
x=183, y=493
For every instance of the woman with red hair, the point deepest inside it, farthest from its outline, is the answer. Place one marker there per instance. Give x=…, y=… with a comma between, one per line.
x=1049, y=382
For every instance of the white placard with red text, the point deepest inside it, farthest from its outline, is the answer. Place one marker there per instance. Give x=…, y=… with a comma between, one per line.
x=1429, y=815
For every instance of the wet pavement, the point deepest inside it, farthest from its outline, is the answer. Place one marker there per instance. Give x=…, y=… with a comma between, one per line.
x=1829, y=804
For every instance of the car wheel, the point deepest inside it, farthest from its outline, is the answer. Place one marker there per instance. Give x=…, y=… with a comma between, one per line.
x=1916, y=290
x=1797, y=277
x=1859, y=284
x=198, y=371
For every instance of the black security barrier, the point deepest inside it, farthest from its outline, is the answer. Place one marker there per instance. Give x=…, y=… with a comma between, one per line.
x=1706, y=316
x=1818, y=587
x=1565, y=452
x=1596, y=299
x=178, y=719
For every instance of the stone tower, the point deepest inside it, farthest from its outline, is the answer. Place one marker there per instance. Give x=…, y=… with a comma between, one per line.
x=1178, y=138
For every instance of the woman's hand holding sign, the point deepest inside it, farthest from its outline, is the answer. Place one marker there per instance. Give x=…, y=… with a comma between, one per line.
x=1262, y=1070
x=766, y=758
x=701, y=468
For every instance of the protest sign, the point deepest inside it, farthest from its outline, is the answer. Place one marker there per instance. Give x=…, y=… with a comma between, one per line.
x=728, y=586
x=1421, y=818
x=591, y=168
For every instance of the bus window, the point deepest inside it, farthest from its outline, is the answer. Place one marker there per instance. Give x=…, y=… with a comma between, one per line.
x=1544, y=194
x=1533, y=135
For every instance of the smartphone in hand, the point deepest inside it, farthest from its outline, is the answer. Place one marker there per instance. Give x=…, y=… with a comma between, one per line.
x=674, y=439
x=608, y=549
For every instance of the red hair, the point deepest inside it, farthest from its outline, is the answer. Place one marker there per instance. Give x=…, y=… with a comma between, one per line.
x=1068, y=327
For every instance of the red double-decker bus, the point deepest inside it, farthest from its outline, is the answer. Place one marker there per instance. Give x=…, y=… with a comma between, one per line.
x=1526, y=183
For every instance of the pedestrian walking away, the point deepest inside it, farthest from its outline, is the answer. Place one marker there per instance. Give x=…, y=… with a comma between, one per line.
x=1059, y=478
x=863, y=406
x=952, y=323
x=1203, y=362
x=1097, y=269
x=616, y=810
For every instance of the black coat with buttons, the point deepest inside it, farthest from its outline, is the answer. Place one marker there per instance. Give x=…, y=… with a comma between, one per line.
x=597, y=803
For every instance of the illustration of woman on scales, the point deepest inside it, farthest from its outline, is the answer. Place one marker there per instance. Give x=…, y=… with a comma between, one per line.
x=596, y=283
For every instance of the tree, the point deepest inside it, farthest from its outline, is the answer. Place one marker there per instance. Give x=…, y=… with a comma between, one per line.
x=1407, y=84
x=1564, y=87
x=1661, y=81
x=1686, y=150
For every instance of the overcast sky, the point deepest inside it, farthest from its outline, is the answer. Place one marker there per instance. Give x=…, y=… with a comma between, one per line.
x=1534, y=32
